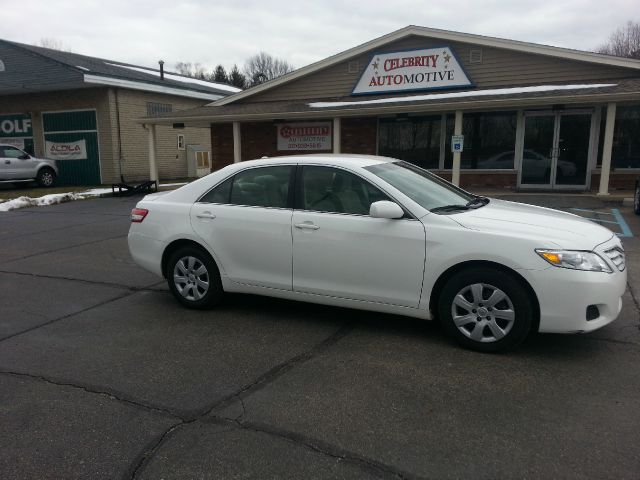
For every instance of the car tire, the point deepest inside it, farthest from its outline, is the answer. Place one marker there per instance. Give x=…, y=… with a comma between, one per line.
x=478, y=320
x=194, y=278
x=636, y=199
x=46, y=177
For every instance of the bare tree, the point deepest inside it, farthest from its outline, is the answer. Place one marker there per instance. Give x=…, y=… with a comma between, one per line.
x=189, y=69
x=52, y=43
x=263, y=67
x=623, y=42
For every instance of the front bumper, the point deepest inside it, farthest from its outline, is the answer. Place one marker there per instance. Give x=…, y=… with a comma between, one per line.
x=565, y=294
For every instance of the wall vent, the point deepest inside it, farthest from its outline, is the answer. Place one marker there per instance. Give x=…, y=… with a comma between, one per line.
x=354, y=66
x=475, y=55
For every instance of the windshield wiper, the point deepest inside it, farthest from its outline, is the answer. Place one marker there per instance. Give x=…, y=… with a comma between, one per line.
x=449, y=208
x=478, y=202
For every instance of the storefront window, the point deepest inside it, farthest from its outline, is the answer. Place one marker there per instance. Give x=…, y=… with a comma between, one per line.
x=414, y=139
x=626, y=138
x=489, y=140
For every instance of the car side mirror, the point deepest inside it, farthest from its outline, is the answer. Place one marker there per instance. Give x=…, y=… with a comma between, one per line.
x=24, y=157
x=385, y=209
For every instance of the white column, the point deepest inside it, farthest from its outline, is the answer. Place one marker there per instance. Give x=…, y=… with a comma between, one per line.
x=237, y=143
x=336, y=135
x=457, y=130
x=607, y=147
x=153, y=164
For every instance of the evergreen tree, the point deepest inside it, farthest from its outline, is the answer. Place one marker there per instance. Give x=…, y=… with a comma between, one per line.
x=236, y=78
x=220, y=75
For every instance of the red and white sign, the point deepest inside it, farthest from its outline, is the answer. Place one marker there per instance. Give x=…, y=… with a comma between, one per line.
x=66, y=150
x=304, y=136
x=425, y=69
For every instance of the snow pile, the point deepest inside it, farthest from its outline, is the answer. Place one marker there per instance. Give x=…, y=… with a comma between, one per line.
x=470, y=93
x=53, y=198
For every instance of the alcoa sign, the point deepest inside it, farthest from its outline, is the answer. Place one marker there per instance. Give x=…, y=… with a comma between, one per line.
x=66, y=150
x=424, y=69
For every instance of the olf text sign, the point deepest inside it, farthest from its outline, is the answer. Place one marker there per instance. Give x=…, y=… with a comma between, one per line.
x=425, y=69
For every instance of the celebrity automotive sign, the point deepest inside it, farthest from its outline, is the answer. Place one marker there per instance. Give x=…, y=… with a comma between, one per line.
x=304, y=136
x=426, y=69
x=67, y=150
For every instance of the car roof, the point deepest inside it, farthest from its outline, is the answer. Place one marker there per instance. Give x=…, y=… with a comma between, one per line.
x=345, y=159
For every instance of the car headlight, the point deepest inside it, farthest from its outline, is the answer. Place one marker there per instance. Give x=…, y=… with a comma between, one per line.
x=575, y=260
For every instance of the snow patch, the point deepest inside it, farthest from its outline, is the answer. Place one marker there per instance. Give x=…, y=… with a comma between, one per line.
x=50, y=199
x=179, y=78
x=472, y=93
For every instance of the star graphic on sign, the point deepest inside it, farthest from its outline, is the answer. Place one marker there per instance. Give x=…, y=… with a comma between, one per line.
x=447, y=57
x=376, y=65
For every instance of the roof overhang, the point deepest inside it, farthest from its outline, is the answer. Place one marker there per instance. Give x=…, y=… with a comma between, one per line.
x=476, y=104
x=148, y=87
x=446, y=35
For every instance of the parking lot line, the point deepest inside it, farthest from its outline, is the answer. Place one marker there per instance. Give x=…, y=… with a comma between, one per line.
x=618, y=219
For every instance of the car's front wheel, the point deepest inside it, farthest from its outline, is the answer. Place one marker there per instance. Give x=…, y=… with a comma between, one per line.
x=193, y=278
x=486, y=309
x=46, y=177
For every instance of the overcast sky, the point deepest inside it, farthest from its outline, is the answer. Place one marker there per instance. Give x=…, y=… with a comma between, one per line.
x=229, y=31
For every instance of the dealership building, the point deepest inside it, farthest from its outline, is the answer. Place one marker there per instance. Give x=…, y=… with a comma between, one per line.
x=482, y=111
x=82, y=111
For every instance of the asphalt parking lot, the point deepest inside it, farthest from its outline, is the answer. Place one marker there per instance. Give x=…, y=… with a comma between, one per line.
x=104, y=375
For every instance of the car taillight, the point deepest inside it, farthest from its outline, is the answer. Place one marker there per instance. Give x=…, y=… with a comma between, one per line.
x=138, y=214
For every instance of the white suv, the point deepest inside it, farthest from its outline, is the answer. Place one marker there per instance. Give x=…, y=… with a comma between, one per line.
x=17, y=166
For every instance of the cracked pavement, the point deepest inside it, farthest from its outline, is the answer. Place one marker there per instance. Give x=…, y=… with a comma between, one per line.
x=104, y=375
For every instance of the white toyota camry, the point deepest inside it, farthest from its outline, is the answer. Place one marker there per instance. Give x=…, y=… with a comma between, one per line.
x=380, y=234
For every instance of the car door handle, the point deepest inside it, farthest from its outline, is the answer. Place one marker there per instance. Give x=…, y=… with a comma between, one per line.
x=309, y=226
x=208, y=215
x=7, y=162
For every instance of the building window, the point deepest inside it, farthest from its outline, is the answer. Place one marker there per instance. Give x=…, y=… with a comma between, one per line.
x=414, y=139
x=489, y=141
x=202, y=160
x=154, y=109
x=626, y=140
x=180, y=142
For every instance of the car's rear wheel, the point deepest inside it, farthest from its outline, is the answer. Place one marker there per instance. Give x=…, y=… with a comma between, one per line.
x=194, y=278
x=486, y=309
x=636, y=199
x=46, y=177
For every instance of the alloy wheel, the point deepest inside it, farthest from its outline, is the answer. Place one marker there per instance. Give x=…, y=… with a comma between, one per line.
x=482, y=312
x=191, y=278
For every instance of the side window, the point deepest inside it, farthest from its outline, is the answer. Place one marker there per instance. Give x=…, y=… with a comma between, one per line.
x=256, y=187
x=326, y=189
x=12, y=152
x=220, y=194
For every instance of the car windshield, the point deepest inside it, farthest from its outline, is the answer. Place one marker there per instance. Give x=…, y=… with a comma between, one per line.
x=424, y=188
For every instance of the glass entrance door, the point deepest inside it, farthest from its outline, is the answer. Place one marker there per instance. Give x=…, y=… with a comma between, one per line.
x=555, y=150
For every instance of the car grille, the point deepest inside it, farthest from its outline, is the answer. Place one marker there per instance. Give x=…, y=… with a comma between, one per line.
x=616, y=255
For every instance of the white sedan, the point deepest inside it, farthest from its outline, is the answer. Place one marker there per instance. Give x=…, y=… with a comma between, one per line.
x=380, y=234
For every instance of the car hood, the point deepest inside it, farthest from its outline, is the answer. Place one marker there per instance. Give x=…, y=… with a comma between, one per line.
x=551, y=226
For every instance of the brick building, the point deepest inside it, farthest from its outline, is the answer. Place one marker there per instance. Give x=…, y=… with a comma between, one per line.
x=56, y=99
x=531, y=116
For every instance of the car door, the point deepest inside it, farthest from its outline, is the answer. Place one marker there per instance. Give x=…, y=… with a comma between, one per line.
x=339, y=250
x=7, y=164
x=246, y=220
x=15, y=163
